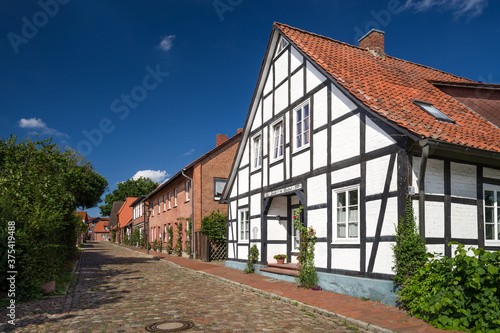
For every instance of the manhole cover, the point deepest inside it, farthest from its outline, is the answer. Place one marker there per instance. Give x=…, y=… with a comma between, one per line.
x=170, y=326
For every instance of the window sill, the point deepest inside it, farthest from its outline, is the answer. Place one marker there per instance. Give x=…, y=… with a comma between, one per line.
x=255, y=169
x=275, y=161
x=300, y=150
x=346, y=241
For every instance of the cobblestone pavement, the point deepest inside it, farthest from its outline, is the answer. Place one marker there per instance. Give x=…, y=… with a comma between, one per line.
x=118, y=290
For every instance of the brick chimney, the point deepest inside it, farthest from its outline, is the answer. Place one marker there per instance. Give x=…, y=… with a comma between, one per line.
x=373, y=41
x=220, y=139
x=239, y=130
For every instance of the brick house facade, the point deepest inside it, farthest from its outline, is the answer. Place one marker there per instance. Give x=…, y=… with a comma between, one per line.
x=101, y=232
x=124, y=220
x=170, y=203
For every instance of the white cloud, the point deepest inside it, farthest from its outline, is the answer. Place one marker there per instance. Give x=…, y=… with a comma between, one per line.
x=155, y=175
x=189, y=152
x=470, y=8
x=31, y=123
x=41, y=127
x=167, y=42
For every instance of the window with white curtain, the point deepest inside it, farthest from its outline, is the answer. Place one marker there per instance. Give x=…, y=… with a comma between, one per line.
x=347, y=214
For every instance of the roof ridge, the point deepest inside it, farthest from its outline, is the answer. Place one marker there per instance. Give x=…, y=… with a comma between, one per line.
x=362, y=49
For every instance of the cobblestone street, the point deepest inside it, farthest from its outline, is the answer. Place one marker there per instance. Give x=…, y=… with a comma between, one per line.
x=118, y=290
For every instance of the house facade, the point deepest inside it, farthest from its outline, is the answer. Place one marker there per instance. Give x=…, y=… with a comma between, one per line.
x=100, y=229
x=139, y=218
x=85, y=219
x=112, y=225
x=124, y=221
x=350, y=133
x=173, y=202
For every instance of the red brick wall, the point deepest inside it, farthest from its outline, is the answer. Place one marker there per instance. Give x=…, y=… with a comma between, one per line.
x=170, y=216
x=214, y=166
x=217, y=164
x=374, y=40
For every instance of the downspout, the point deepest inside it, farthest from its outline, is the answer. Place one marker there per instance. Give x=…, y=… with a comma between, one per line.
x=421, y=187
x=192, y=213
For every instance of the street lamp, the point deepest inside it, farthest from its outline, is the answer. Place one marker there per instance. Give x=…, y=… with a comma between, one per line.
x=148, y=213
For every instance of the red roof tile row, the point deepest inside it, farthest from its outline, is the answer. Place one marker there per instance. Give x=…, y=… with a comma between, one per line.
x=387, y=85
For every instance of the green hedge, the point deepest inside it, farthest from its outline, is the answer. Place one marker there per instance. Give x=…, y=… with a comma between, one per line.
x=460, y=293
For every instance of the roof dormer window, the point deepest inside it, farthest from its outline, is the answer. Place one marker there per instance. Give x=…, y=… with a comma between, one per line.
x=282, y=44
x=432, y=110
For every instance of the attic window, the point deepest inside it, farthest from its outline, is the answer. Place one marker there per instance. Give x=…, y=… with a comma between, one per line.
x=282, y=44
x=431, y=109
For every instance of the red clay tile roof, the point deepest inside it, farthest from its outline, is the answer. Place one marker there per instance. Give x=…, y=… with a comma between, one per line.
x=83, y=215
x=125, y=212
x=100, y=226
x=387, y=85
x=482, y=98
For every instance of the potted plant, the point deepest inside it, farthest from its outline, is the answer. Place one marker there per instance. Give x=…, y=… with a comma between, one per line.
x=280, y=258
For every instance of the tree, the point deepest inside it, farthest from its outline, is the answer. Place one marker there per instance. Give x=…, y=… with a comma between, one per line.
x=129, y=188
x=40, y=188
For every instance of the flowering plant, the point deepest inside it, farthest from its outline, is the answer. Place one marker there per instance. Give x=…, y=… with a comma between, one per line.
x=280, y=256
x=307, y=270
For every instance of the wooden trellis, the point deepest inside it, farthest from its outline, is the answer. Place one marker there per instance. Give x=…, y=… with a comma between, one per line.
x=218, y=249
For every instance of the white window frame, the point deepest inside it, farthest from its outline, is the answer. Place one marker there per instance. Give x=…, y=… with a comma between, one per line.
x=302, y=129
x=257, y=152
x=346, y=239
x=188, y=190
x=295, y=232
x=244, y=225
x=159, y=206
x=175, y=198
x=275, y=154
x=164, y=202
x=495, y=216
x=169, y=200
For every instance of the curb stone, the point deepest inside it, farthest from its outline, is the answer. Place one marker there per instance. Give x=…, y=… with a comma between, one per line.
x=321, y=311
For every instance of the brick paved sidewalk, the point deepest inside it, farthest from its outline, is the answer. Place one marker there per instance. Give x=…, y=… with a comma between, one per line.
x=122, y=291
x=372, y=315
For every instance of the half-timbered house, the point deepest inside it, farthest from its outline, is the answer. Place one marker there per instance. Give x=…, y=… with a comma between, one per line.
x=350, y=133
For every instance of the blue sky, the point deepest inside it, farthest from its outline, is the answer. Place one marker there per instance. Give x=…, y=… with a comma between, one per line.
x=146, y=85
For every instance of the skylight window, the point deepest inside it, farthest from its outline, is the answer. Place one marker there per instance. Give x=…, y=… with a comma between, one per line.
x=282, y=44
x=431, y=109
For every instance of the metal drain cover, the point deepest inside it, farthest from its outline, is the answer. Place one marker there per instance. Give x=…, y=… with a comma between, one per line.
x=170, y=326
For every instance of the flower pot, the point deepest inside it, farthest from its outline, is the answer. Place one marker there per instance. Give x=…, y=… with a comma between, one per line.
x=280, y=261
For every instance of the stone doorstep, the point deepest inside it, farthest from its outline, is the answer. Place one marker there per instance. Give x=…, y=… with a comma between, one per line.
x=283, y=269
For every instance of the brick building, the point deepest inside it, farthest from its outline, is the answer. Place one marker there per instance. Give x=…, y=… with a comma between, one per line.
x=124, y=220
x=85, y=219
x=138, y=221
x=170, y=203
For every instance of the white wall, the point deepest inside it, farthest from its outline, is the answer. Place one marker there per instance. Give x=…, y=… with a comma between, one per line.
x=314, y=77
x=346, y=259
x=345, y=139
x=375, y=137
